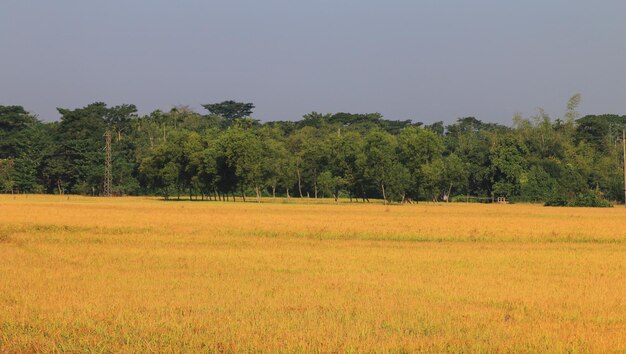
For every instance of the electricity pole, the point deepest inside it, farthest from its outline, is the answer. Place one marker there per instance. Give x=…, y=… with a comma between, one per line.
x=107, y=165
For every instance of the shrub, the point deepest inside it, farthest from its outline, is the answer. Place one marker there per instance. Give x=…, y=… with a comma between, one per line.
x=590, y=199
x=584, y=199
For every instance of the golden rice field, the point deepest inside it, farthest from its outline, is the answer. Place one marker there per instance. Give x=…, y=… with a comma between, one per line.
x=144, y=275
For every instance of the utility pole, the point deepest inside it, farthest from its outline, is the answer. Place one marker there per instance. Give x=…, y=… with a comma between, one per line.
x=108, y=177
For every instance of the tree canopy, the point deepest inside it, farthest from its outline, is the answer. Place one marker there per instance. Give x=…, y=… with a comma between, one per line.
x=226, y=155
x=230, y=109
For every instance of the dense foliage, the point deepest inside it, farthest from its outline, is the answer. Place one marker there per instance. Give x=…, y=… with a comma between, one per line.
x=223, y=154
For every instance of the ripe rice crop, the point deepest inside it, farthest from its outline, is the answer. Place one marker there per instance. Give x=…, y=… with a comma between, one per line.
x=141, y=274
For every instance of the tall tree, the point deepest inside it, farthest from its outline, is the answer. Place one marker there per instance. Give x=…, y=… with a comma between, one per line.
x=508, y=165
x=242, y=154
x=118, y=118
x=230, y=110
x=24, y=140
x=418, y=147
x=77, y=162
x=380, y=155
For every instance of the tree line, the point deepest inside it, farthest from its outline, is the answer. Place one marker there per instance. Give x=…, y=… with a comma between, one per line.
x=223, y=154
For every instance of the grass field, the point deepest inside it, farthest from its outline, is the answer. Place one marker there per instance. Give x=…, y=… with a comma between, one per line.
x=140, y=274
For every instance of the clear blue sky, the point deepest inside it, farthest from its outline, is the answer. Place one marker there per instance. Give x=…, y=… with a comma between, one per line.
x=422, y=60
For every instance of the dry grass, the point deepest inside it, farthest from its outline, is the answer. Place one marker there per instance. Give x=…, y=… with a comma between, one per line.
x=137, y=274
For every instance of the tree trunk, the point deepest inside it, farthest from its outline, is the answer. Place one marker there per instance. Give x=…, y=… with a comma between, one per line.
x=258, y=193
x=243, y=194
x=315, y=183
x=274, y=191
x=382, y=186
x=299, y=181
x=288, y=193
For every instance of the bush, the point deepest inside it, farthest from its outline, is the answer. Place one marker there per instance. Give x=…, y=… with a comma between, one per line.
x=556, y=199
x=591, y=199
x=584, y=199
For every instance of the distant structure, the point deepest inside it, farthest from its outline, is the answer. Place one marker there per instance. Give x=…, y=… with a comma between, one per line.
x=108, y=175
x=502, y=200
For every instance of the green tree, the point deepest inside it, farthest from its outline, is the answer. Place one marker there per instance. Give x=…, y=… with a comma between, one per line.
x=507, y=165
x=418, y=147
x=538, y=185
x=118, y=118
x=242, y=152
x=380, y=155
x=276, y=165
x=161, y=168
x=203, y=163
x=6, y=175
x=347, y=160
x=432, y=176
x=230, y=110
x=330, y=185
x=455, y=175
x=77, y=162
x=24, y=140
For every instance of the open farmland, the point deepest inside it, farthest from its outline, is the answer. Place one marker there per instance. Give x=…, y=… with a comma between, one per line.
x=140, y=274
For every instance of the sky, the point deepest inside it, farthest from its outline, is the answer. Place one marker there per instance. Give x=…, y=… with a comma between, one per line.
x=427, y=60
